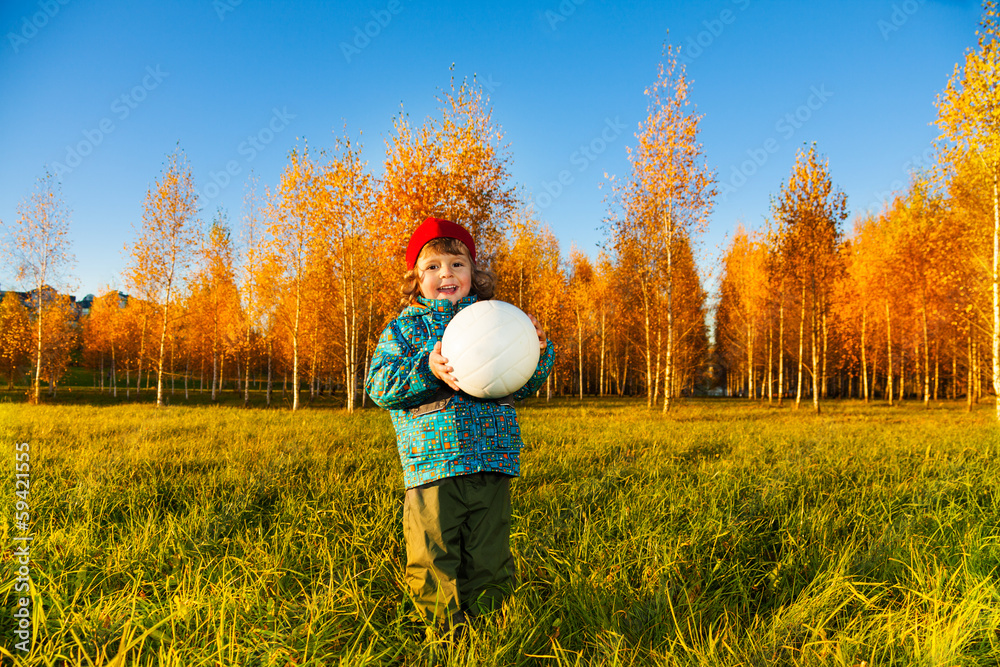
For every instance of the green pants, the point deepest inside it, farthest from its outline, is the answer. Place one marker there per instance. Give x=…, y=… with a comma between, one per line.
x=457, y=533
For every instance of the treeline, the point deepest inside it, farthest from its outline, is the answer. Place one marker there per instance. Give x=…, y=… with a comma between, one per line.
x=907, y=305
x=900, y=309
x=294, y=295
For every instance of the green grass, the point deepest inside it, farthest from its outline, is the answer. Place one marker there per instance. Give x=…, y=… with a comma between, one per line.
x=727, y=533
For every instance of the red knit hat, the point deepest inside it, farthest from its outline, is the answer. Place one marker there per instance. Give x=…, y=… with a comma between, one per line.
x=436, y=228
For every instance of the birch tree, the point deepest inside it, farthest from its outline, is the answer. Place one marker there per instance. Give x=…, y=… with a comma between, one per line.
x=15, y=336
x=167, y=238
x=39, y=244
x=603, y=297
x=743, y=294
x=518, y=263
x=346, y=228
x=671, y=179
x=290, y=231
x=216, y=297
x=635, y=246
x=969, y=119
x=455, y=166
x=106, y=330
x=863, y=293
x=970, y=202
x=61, y=337
x=811, y=213
x=581, y=279
x=924, y=239
x=250, y=269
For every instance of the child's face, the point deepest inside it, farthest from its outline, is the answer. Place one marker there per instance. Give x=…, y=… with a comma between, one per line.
x=443, y=276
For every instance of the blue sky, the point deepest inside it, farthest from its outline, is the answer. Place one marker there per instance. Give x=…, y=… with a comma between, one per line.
x=102, y=92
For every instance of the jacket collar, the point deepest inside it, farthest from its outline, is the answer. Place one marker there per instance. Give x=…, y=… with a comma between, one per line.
x=437, y=306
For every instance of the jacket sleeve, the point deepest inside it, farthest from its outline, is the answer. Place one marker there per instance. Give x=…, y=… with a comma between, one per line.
x=536, y=381
x=400, y=377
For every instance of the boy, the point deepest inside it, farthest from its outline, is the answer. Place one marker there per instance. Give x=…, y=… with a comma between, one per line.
x=458, y=452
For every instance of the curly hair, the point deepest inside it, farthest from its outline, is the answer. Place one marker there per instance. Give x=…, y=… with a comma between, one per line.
x=483, y=281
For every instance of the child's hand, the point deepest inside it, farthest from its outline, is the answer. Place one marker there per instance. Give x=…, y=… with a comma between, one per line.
x=441, y=369
x=542, y=341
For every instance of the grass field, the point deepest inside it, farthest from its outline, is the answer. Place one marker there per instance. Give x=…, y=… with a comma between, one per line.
x=728, y=533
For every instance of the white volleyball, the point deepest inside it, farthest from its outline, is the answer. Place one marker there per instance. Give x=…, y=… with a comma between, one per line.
x=492, y=347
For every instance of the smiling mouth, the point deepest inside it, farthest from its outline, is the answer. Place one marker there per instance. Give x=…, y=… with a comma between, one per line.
x=450, y=289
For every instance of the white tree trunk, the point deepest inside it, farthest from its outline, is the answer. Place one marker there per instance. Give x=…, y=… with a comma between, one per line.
x=864, y=354
x=668, y=382
x=802, y=335
x=996, y=292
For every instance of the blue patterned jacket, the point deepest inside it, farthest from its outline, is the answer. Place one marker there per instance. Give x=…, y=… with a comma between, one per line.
x=460, y=434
